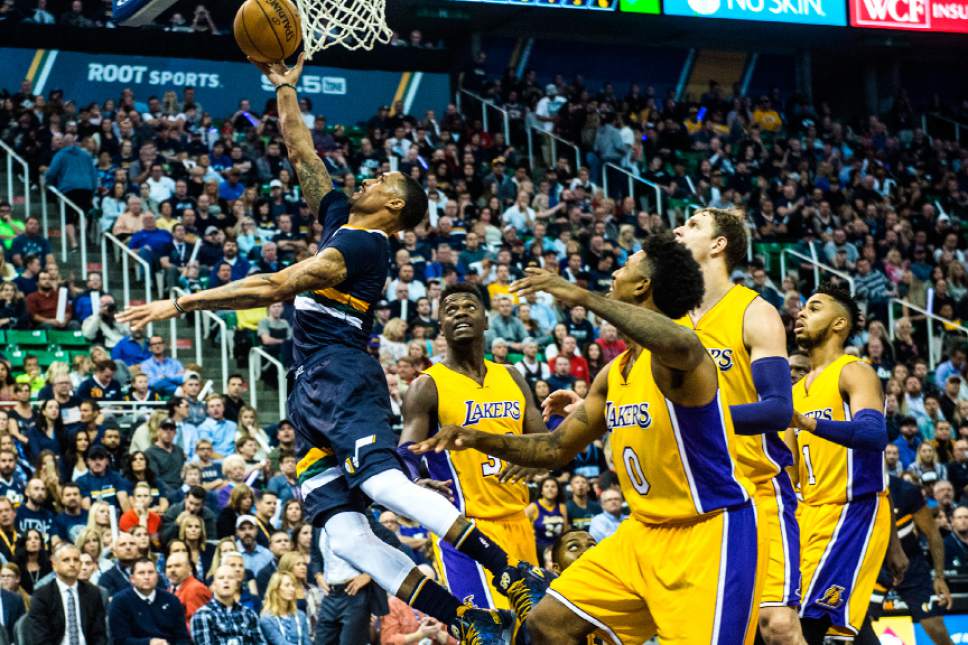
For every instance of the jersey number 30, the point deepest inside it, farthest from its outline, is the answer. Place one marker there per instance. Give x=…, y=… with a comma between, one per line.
x=634, y=469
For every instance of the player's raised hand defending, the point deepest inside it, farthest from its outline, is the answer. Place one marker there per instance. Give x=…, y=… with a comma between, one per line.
x=138, y=317
x=449, y=437
x=559, y=402
x=536, y=279
x=278, y=72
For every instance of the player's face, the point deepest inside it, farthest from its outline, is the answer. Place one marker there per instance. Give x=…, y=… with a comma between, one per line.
x=627, y=282
x=821, y=316
x=697, y=235
x=571, y=548
x=799, y=366
x=374, y=194
x=462, y=318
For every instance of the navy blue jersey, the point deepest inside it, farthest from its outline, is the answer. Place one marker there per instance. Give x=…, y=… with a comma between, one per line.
x=342, y=314
x=908, y=500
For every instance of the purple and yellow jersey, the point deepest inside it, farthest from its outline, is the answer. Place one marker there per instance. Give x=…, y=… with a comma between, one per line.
x=676, y=461
x=830, y=473
x=759, y=457
x=498, y=407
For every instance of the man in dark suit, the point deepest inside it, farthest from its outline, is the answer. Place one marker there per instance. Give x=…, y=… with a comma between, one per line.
x=13, y=609
x=66, y=605
x=143, y=612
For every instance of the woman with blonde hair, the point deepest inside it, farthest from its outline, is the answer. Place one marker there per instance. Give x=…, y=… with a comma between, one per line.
x=99, y=521
x=225, y=545
x=308, y=596
x=282, y=622
x=191, y=531
x=249, y=427
x=146, y=434
x=392, y=345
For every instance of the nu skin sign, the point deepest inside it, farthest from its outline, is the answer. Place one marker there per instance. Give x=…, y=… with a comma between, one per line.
x=809, y=12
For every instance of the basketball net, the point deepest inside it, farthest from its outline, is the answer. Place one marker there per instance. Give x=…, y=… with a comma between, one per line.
x=354, y=24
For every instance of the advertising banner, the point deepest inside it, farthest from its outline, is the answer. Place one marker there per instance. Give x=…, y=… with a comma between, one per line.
x=597, y=5
x=922, y=15
x=342, y=95
x=899, y=630
x=807, y=12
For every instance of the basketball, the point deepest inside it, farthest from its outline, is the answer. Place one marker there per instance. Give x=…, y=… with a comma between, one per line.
x=268, y=30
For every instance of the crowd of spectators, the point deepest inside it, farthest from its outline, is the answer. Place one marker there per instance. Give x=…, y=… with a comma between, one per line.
x=186, y=492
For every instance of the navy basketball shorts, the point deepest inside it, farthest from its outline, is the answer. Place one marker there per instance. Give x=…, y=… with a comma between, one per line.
x=916, y=590
x=340, y=407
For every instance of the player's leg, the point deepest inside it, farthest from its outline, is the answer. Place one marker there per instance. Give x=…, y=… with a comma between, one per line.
x=917, y=592
x=844, y=547
x=779, y=622
x=603, y=590
x=703, y=582
x=936, y=629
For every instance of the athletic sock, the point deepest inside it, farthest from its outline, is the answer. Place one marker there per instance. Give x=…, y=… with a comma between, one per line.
x=433, y=600
x=481, y=548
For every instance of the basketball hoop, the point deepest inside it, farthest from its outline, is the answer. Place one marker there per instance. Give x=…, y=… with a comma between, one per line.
x=354, y=24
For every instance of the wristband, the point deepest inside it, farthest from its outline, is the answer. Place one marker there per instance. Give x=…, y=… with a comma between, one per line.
x=178, y=307
x=281, y=85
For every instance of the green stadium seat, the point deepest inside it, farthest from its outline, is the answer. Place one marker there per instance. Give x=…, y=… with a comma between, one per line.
x=75, y=353
x=15, y=357
x=27, y=338
x=3, y=336
x=45, y=358
x=67, y=338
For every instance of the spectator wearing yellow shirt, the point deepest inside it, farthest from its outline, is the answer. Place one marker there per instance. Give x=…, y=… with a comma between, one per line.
x=766, y=117
x=501, y=285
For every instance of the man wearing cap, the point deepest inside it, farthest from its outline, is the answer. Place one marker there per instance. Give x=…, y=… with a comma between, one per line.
x=210, y=250
x=254, y=554
x=165, y=458
x=506, y=188
x=100, y=483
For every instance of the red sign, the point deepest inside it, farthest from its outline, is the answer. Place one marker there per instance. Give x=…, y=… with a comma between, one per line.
x=922, y=15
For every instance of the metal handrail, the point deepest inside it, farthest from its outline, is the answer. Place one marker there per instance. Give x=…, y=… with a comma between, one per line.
x=957, y=124
x=125, y=270
x=11, y=157
x=932, y=361
x=210, y=318
x=256, y=354
x=554, y=147
x=485, y=104
x=65, y=202
x=632, y=178
x=817, y=267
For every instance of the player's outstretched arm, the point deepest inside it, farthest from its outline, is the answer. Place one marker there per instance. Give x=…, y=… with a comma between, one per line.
x=924, y=520
x=545, y=450
x=764, y=335
x=672, y=344
x=314, y=179
x=867, y=429
x=259, y=290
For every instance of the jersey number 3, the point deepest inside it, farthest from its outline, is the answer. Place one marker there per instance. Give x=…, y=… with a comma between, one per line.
x=634, y=469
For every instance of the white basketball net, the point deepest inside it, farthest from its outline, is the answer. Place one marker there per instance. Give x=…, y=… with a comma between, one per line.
x=354, y=24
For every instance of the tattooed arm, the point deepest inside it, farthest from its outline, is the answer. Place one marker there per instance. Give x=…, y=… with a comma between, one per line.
x=259, y=290
x=544, y=450
x=314, y=179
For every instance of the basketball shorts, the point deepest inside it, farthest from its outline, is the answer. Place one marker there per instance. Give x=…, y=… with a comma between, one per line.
x=916, y=590
x=776, y=508
x=842, y=550
x=467, y=579
x=340, y=407
x=690, y=582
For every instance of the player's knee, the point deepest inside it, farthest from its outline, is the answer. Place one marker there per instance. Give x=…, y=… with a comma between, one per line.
x=780, y=626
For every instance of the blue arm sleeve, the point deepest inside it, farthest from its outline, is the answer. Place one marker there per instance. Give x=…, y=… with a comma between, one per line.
x=410, y=460
x=866, y=431
x=772, y=413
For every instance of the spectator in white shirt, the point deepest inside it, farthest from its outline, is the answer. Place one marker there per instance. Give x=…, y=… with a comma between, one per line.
x=160, y=187
x=520, y=215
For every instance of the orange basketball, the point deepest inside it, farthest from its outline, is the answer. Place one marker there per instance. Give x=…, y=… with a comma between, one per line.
x=268, y=30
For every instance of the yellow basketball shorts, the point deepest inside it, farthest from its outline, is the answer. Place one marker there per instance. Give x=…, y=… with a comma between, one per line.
x=467, y=579
x=842, y=550
x=776, y=508
x=689, y=583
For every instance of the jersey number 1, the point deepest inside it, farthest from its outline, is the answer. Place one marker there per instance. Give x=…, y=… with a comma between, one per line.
x=634, y=469
x=811, y=479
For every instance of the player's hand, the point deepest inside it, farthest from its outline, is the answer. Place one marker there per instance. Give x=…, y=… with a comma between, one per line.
x=141, y=315
x=449, y=437
x=357, y=583
x=536, y=279
x=802, y=422
x=897, y=564
x=559, y=402
x=278, y=72
x=942, y=592
x=512, y=473
x=442, y=487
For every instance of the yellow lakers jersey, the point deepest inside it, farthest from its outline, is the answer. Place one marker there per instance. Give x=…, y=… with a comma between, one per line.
x=497, y=406
x=830, y=473
x=673, y=462
x=760, y=457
